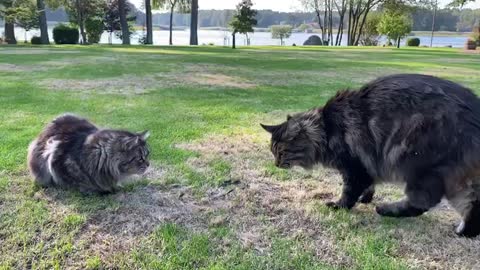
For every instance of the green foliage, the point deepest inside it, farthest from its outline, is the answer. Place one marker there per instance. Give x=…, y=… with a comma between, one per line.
x=475, y=36
x=94, y=29
x=36, y=40
x=112, y=18
x=370, y=34
x=394, y=25
x=26, y=15
x=413, y=42
x=64, y=34
x=281, y=32
x=304, y=27
x=244, y=18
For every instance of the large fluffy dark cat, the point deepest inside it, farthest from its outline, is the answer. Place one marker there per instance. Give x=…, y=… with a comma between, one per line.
x=72, y=152
x=421, y=130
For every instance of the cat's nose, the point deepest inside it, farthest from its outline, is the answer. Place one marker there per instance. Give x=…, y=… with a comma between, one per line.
x=147, y=163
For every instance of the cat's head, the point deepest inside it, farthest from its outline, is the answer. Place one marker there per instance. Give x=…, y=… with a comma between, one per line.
x=297, y=141
x=134, y=153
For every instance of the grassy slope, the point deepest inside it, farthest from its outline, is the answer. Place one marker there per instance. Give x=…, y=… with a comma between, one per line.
x=33, y=233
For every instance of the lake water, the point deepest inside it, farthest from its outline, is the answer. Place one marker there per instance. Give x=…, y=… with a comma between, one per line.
x=160, y=37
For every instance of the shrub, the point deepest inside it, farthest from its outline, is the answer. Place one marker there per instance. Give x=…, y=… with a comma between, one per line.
x=471, y=44
x=64, y=34
x=413, y=42
x=94, y=29
x=36, y=40
x=475, y=36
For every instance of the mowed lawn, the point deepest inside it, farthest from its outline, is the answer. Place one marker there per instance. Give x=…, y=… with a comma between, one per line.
x=212, y=198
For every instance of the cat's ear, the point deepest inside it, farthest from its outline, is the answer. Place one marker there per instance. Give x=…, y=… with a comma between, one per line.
x=293, y=129
x=270, y=129
x=144, y=135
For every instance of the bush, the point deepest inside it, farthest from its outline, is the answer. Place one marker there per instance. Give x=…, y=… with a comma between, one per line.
x=413, y=42
x=36, y=40
x=471, y=44
x=475, y=36
x=64, y=34
x=94, y=29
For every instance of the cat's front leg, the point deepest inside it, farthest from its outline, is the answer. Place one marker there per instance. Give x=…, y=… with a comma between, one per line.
x=355, y=183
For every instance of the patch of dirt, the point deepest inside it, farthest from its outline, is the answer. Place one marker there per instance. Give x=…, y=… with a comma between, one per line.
x=127, y=84
x=219, y=80
x=260, y=205
x=140, y=212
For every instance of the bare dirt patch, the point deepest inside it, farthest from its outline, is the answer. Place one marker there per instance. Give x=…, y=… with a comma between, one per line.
x=130, y=85
x=218, y=80
x=261, y=206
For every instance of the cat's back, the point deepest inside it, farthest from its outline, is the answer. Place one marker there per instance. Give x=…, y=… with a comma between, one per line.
x=413, y=93
x=67, y=127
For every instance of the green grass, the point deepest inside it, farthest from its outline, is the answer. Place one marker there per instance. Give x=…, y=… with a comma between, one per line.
x=162, y=89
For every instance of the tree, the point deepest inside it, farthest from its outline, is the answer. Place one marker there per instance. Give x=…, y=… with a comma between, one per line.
x=243, y=20
x=395, y=26
x=42, y=20
x=323, y=13
x=181, y=6
x=112, y=21
x=370, y=34
x=281, y=32
x=357, y=15
x=26, y=15
x=148, y=17
x=8, y=15
x=80, y=11
x=194, y=22
x=122, y=10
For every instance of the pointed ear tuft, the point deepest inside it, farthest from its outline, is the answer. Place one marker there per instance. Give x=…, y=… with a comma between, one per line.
x=270, y=129
x=144, y=135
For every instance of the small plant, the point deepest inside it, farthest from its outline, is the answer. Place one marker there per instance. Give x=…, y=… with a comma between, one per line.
x=413, y=42
x=94, y=29
x=471, y=44
x=64, y=34
x=36, y=40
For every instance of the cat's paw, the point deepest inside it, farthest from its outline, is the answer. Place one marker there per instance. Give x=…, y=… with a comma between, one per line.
x=336, y=205
x=387, y=210
x=466, y=230
x=366, y=198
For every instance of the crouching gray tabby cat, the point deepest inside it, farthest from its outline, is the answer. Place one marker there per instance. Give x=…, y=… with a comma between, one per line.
x=71, y=152
x=420, y=130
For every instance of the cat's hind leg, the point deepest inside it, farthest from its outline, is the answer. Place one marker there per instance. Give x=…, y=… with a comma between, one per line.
x=424, y=190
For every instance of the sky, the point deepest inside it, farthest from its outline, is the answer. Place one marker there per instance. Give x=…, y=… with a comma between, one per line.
x=277, y=5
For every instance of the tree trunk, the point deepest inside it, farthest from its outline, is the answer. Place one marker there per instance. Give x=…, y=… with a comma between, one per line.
x=42, y=17
x=148, y=15
x=233, y=40
x=398, y=42
x=10, y=33
x=80, y=21
x=194, y=23
x=433, y=23
x=124, y=23
x=170, y=40
x=320, y=24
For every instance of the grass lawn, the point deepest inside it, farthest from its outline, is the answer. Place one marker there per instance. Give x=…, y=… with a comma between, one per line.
x=212, y=199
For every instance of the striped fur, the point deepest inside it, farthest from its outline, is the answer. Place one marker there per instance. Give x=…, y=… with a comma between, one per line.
x=71, y=152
